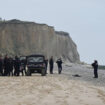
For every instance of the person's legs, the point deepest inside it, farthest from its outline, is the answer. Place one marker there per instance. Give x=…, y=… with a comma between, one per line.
x=59, y=70
x=8, y=73
x=15, y=72
x=4, y=72
x=22, y=73
x=18, y=72
x=50, y=69
x=46, y=70
x=1, y=72
x=96, y=74
x=61, y=67
x=25, y=72
x=12, y=73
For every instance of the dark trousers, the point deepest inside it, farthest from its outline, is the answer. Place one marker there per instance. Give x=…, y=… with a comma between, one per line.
x=1, y=72
x=6, y=72
x=59, y=69
x=23, y=71
x=16, y=72
x=46, y=69
x=95, y=73
x=11, y=72
x=51, y=69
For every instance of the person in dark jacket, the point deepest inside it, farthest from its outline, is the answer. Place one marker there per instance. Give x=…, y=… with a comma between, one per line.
x=46, y=63
x=16, y=66
x=1, y=66
x=6, y=66
x=95, y=66
x=51, y=64
x=11, y=64
x=59, y=63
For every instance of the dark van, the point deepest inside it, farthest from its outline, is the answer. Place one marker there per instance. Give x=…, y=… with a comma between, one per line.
x=36, y=64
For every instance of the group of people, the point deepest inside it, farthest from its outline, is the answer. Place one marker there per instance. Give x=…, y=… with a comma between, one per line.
x=51, y=65
x=9, y=66
x=59, y=64
x=13, y=67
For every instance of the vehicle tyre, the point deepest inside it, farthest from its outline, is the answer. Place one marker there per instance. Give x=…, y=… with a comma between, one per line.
x=28, y=72
x=43, y=72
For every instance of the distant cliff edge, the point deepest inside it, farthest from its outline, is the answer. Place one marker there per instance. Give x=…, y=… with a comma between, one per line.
x=24, y=38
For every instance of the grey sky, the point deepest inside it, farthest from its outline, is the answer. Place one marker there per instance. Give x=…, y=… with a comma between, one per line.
x=83, y=19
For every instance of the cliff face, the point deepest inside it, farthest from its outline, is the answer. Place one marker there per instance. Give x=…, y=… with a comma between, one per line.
x=66, y=47
x=24, y=38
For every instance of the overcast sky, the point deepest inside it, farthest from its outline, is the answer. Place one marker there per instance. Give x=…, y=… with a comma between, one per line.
x=83, y=19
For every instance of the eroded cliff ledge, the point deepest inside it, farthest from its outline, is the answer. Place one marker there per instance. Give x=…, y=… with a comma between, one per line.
x=24, y=38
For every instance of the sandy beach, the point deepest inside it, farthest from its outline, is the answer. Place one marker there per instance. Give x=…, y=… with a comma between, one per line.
x=64, y=89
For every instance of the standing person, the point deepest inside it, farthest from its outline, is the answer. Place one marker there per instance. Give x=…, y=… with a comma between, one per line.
x=11, y=63
x=1, y=66
x=6, y=66
x=23, y=67
x=16, y=66
x=46, y=63
x=95, y=66
x=59, y=63
x=51, y=64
